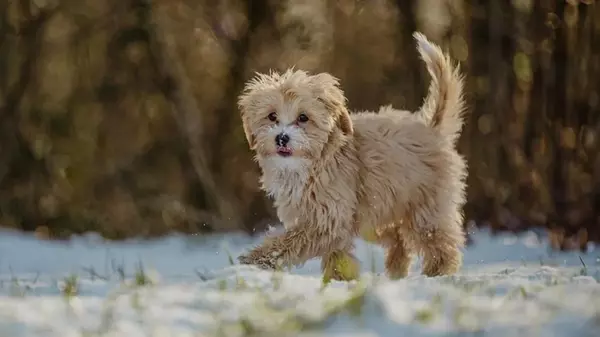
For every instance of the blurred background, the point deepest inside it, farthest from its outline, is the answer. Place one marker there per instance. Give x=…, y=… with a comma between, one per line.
x=120, y=116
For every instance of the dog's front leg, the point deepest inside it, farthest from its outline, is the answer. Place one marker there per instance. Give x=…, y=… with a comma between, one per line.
x=293, y=247
x=299, y=244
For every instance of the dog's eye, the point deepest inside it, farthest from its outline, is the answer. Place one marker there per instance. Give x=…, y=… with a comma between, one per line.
x=302, y=118
x=272, y=117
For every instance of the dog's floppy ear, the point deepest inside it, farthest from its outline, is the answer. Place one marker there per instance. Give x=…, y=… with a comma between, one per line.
x=243, y=101
x=345, y=123
x=249, y=136
x=330, y=94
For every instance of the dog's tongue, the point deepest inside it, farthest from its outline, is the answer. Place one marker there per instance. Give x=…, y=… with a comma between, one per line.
x=284, y=151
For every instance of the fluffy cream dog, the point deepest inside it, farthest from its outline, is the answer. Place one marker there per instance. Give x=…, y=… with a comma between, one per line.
x=335, y=175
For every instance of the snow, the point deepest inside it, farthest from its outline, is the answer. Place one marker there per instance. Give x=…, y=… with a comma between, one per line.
x=509, y=286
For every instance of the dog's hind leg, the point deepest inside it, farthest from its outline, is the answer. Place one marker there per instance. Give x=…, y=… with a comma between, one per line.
x=441, y=254
x=439, y=240
x=397, y=259
x=397, y=255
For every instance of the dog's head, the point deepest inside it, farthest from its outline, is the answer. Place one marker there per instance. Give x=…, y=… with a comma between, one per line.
x=291, y=118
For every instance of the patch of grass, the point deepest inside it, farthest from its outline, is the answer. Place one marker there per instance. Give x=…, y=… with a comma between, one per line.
x=222, y=284
x=203, y=276
x=70, y=286
x=94, y=275
x=270, y=318
x=491, y=292
x=230, y=258
x=466, y=285
x=523, y=292
x=277, y=280
x=118, y=269
x=469, y=319
x=240, y=283
x=584, y=269
x=141, y=278
x=36, y=278
x=518, y=292
x=429, y=313
x=355, y=304
x=136, y=302
x=437, y=301
x=552, y=281
x=16, y=289
x=424, y=316
x=107, y=318
x=459, y=313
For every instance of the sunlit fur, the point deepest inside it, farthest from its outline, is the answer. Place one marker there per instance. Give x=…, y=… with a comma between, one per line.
x=394, y=173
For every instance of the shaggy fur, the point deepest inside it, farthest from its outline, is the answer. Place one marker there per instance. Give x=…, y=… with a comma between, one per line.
x=393, y=173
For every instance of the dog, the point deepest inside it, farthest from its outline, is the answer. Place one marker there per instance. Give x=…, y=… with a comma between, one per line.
x=335, y=176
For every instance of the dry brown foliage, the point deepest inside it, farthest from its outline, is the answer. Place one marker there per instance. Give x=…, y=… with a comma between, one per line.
x=120, y=116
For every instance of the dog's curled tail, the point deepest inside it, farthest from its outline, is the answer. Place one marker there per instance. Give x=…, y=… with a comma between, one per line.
x=444, y=105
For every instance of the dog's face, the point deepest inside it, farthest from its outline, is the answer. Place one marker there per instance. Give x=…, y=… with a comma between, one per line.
x=290, y=118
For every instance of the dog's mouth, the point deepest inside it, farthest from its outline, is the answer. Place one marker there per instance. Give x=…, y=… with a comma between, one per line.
x=284, y=151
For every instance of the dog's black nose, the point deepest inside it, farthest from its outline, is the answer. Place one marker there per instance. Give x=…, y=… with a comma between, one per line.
x=282, y=139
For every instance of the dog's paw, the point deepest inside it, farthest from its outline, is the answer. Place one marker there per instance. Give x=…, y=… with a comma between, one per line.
x=262, y=261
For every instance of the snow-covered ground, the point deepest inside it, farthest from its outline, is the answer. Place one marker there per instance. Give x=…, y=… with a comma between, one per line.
x=186, y=286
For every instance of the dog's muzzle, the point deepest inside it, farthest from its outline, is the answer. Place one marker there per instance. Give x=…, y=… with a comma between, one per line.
x=282, y=140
